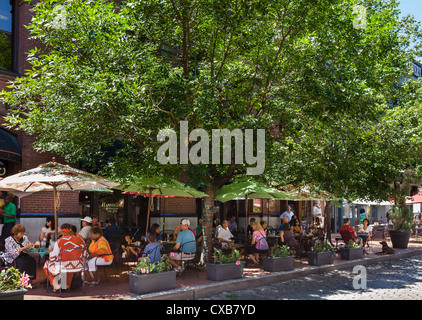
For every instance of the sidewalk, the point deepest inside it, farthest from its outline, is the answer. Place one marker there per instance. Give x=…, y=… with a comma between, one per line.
x=195, y=286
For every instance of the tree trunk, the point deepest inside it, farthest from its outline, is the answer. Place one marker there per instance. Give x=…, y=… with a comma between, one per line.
x=207, y=218
x=327, y=221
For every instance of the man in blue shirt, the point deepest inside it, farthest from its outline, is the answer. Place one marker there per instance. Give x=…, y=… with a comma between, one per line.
x=185, y=246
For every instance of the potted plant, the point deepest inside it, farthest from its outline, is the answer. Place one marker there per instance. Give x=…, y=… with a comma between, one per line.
x=13, y=284
x=149, y=277
x=225, y=266
x=279, y=259
x=322, y=253
x=351, y=251
x=402, y=218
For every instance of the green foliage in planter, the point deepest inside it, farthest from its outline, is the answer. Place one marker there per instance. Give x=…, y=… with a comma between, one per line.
x=220, y=257
x=352, y=245
x=280, y=251
x=320, y=246
x=402, y=218
x=145, y=266
x=11, y=279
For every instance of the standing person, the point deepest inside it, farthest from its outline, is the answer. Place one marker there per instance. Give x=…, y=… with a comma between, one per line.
x=288, y=214
x=232, y=224
x=9, y=214
x=95, y=223
x=112, y=231
x=15, y=246
x=86, y=228
x=99, y=255
x=70, y=257
x=362, y=215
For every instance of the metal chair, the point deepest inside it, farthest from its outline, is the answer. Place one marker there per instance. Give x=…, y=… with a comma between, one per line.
x=189, y=258
x=114, y=264
x=67, y=263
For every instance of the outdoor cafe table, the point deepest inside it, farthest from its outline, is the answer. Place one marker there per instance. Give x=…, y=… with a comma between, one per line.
x=364, y=236
x=37, y=253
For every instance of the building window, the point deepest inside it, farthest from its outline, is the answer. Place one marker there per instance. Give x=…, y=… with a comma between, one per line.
x=6, y=35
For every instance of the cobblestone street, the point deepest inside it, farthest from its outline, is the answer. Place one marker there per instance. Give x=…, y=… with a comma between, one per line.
x=390, y=280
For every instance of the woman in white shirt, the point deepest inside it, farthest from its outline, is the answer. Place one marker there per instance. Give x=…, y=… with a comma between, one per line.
x=48, y=229
x=365, y=228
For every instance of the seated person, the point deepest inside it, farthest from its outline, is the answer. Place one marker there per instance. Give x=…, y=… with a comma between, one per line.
x=367, y=229
x=283, y=221
x=224, y=235
x=100, y=254
x=128, y=251
x=287, y=237
x=259, y=243
x=185, y=243
x=15, y=245
x=250, y=229
x=152, y=249
x=297, y=228
x=199, y=231
x=68, y=259
x=347, y=232
x=155, y=230
x=264, y=226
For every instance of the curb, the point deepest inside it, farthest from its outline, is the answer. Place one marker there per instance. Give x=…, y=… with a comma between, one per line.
x=202, y=291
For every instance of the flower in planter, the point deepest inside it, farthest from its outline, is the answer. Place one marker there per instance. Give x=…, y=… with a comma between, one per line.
x=238, y=263
x=145, y=266
x=320, y=246
x=220, y=257
x=280, y=251
x=11, y=279
x=352, y=245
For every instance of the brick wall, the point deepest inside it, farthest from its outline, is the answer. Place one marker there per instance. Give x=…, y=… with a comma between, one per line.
x=178, y=205
x=41, y=202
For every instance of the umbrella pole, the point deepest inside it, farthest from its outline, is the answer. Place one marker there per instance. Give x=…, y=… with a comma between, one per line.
x=56, y=217
x=149, y=210
x=246, y=215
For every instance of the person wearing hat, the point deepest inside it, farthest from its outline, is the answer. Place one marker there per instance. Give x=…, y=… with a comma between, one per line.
x=86, y=228
x=185, y=246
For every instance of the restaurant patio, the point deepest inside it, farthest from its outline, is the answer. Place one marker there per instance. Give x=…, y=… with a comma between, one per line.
x=111, y=288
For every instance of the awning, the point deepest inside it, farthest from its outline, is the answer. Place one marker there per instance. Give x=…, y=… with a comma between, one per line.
x=9, y=147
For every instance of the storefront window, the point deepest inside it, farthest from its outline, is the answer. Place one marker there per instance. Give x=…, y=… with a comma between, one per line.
x=6, y=35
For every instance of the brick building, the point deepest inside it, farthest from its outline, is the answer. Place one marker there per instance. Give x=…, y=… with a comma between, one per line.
x=16, y=148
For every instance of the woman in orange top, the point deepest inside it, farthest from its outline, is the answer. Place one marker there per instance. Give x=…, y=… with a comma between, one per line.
x=99, y=255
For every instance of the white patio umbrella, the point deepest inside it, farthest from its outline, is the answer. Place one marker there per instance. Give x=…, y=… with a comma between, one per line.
x=53, y=176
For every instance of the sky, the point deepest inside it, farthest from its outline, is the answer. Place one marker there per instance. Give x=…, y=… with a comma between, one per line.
x=413, y=7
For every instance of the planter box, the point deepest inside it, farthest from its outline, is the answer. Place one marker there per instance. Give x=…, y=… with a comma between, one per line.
x=13, y=295
x=147, y=283
x=225, y=271
x=400, y=239
x=351, y=253
x=320, y=258
x=276, y=264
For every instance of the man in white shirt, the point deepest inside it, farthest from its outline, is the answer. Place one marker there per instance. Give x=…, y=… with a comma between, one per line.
x=224, y=235
x=86, y=228
x=288, y=214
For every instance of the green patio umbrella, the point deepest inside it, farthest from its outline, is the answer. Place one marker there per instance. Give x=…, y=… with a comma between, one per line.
x=158, y=186
x=249, y=189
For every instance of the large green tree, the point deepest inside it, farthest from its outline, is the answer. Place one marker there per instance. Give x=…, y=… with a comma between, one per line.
x=320, y=76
